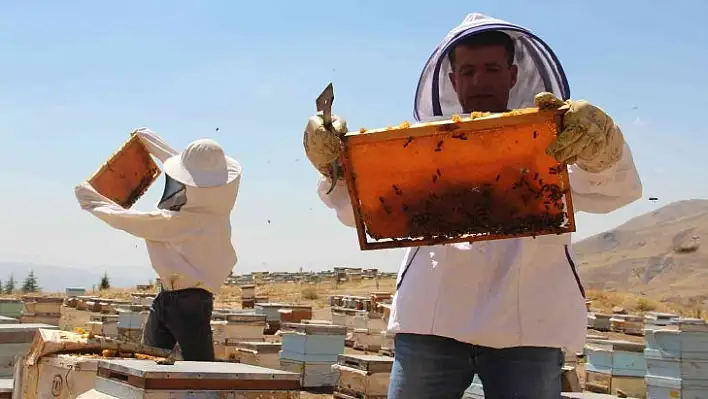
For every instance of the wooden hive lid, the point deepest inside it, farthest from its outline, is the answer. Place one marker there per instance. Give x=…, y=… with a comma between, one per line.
x=196, y=376
x=313, y=329
x=370, y=363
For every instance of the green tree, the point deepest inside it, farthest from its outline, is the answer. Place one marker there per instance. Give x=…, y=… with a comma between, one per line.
x=30, y=284
x=10, y=285
x=105, y=283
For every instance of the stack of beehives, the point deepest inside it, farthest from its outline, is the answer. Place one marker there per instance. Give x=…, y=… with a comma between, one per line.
x=362, y=376
x=235, y=327
x=16, y=340
x=310, y=350
x=677, y=360
x=259, y=353
x=248, y=296
x=627, y=324
x=613, y=365
x=41, y=309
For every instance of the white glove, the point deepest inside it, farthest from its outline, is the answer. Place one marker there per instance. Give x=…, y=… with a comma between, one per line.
x=323, y=146
x=590, y=138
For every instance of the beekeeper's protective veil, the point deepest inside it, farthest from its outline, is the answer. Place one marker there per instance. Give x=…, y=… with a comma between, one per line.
x=201, y=165
x=539, y=69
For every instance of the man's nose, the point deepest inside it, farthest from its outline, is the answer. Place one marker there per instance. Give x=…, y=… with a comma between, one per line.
x=479, y=79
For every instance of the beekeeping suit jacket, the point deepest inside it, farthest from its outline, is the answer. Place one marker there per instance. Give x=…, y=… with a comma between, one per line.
x=504, y=293
x=188, y=248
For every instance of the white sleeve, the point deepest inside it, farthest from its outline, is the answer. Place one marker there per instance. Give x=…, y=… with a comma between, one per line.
x=155, y=145
x=159, y=225
x=608, y=190
x=338, y=200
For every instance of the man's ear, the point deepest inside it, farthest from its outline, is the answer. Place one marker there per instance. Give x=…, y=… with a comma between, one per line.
x=514, y=73
x=451, y=76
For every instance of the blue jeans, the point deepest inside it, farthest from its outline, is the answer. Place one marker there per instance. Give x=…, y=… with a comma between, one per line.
x=432, y=367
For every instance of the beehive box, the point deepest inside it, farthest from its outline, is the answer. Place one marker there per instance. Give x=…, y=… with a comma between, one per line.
x=263, y=354
x=227, y=351
x=75, y=291
x=366, y=340
x=615, y=365
x=16, y=339
x=244, y=326
x=362, y=376
x=44, y=373
x=248, y=291
x=53, y=319
x=64, y=376
x=599, y=321
x=659, y=319
x=458, y=180
x=42, y=304
x=105, y=325
x=352, y=318
x=312, y=342
x=6, y=386
x=127, y=174
x=8, y=320
x=312, y=374
x=677, y=360
x=11, y=307
x=146, y=379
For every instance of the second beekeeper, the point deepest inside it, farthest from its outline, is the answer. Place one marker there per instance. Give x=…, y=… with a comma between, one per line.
x=188, y=239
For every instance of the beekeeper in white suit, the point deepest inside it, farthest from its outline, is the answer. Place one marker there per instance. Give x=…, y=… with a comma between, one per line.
x=502, y=310
x=188, y=239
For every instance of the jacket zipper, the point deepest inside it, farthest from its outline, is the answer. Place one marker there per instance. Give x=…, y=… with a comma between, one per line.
x=575, y=271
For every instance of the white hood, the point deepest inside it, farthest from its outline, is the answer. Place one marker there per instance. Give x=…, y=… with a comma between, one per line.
x=539, y=69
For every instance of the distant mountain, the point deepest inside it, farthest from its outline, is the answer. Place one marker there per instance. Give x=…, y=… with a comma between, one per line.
x=58, y=278
x=664, y=252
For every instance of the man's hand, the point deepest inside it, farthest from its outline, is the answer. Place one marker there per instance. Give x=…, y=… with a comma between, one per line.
x=589, y=138
x=323, y=146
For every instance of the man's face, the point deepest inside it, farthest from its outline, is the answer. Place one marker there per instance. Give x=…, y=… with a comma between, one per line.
x=482, y=78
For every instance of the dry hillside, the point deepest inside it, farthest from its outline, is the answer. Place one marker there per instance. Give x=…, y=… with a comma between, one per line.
x=657, y=254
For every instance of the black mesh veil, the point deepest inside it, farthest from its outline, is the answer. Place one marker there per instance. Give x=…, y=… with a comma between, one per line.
x=175, y=195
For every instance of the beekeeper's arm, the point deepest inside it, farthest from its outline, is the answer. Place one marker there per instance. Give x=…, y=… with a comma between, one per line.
x=158, y=225
x=154, y=144
x=603, y=177
x=323, y=147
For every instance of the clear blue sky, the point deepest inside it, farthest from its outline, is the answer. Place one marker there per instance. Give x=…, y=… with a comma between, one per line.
x=78, y=76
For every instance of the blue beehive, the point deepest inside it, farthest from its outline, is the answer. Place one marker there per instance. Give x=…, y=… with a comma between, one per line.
x=615, y=358
x=312, y=342
x=310, y=350
x=677, y=360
